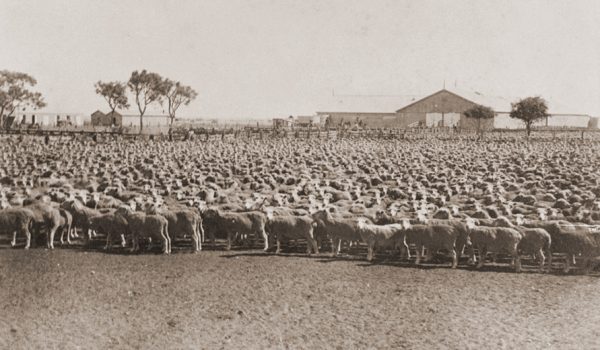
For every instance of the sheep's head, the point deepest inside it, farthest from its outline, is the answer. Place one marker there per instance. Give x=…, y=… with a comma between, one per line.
x=542, y=213
x=470, y=223
x=455, y=210
x=406, y=224
x=502, y=222
x=520, y=219
x=124, y=210
x=269, y=212
x=422, y=217
x=361, y=223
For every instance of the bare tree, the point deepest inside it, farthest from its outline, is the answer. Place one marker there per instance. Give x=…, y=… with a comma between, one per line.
x=14, y=93
x=177, y=95
x=114, y=92
x=147, y=88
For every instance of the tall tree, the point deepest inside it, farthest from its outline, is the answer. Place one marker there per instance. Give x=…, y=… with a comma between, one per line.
x=115, y=93
x=15, y=93
x=479, y=112
x=147, y=87
x=529, y=110
x=177, y=95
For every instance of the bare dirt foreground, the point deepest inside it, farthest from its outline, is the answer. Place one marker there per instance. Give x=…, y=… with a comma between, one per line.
x=68, y=299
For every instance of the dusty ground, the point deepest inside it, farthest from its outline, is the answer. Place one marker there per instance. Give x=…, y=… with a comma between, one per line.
x=69, y=298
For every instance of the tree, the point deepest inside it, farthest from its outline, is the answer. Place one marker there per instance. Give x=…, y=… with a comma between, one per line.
x=177, y=95
x=479, y=112
x=147, y=88
x=114, y=92
x=529, y=110
x=14, y=93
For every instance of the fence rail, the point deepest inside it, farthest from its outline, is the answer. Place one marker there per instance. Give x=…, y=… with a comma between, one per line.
x=247, y=132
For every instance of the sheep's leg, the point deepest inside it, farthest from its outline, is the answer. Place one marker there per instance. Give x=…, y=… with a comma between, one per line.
x=14, y=239
x=314, y=244
x=335, y=246
x=201, y=230
x=263, y=232
x=196, y=242
x=429, y=255
x=482, y=254
x=133, y=242
x=27, y=238
x=62, y=235
x=472, y=258
x=339, y=246
x=108, y=241
x=568, y=260
x=454, y=258
x=50, y=236
x=587, y=265
x=517, y=259
x=165, y=244
x=370, y=246
x=278, y=246
x=405, y=247
x=549, y=257
x=68, y=234
x=150, y=244
x=540, y=253
x=228, y=241
x=419, y=254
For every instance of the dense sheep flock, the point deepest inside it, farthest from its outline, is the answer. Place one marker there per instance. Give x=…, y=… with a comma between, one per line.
x=430, y=198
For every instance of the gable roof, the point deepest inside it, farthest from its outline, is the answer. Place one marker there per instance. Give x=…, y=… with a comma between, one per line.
x=432, y=95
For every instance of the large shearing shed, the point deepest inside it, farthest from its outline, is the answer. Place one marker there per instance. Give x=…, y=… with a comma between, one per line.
x=443, y=108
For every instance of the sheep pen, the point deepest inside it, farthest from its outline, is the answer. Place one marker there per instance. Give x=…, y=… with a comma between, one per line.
x=80, y=293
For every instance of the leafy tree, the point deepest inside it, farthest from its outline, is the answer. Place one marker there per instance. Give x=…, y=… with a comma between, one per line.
x=114, y=92
x=529, y=110
x=147, y=88
x=177, y=95
x=14, y=93
x=479, y=112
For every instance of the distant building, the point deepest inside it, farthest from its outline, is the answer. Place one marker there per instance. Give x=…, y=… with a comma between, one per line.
x=304, y=121
x=128, y=120
x=441, y=109
x=283, y=123
x=46, y=119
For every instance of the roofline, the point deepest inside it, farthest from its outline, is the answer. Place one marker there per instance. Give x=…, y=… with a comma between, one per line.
x=435, y=93
x=373, y=113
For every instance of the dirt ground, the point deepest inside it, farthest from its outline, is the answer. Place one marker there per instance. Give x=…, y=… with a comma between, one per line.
x=70, y=298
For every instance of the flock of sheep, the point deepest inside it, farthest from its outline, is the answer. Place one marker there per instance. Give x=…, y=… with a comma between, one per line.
x=430, y=196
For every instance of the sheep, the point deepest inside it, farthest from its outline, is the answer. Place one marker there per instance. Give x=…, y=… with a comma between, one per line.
x=81, y=216
x=183, y=222
x=146, y=225
x=110, y=224
x=16, y=221
x=391, y=235
x=337, y=229
x=292, y=227
x=65, y=225
x=45, y=216
x=233, y=224
x=493, y=239
x=434, y=237
x=535, y=241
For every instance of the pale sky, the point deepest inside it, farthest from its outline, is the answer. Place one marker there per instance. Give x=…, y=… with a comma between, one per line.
x=276, y=57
